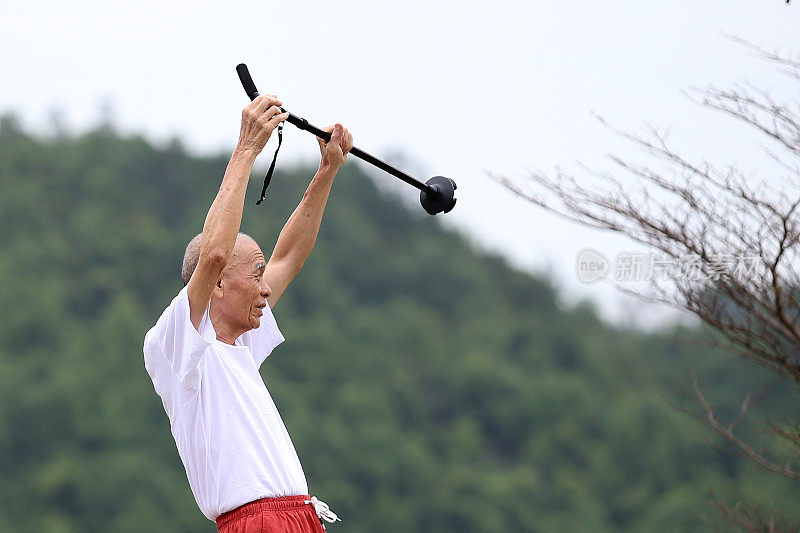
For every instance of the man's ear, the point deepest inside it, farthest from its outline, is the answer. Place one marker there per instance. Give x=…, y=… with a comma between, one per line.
x=218, y=287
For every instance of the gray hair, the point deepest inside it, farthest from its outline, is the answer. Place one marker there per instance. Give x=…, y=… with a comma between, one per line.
x=192, y=255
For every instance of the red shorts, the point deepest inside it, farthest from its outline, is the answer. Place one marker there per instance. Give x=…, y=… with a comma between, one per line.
x=272, y=515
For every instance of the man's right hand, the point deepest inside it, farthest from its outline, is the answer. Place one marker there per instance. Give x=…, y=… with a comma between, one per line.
x=259, y=118
x=223, y=220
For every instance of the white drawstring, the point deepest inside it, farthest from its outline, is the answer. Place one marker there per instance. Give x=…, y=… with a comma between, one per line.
x=323, y=511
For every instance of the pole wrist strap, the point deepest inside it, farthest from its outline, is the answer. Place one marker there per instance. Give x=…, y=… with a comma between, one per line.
x=268, y=177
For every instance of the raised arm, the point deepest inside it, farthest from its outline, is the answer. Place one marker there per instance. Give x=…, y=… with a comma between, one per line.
x=299, y=234
x=224, y=217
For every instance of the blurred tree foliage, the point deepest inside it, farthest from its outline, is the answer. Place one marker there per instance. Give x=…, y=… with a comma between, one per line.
x=427, y=387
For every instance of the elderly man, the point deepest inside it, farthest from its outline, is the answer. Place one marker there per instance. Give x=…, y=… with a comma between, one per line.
x=204, y=352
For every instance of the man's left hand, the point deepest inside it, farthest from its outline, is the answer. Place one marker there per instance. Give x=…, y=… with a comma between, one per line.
x=334, y=152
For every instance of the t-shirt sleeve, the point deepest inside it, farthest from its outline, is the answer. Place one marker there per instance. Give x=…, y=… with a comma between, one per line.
x=182, y=345
x=265, y=338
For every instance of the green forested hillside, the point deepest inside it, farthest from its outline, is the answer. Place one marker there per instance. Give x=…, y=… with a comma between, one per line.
x=426, y=387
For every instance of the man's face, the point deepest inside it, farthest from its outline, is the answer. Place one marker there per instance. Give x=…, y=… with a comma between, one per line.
x=244, y=290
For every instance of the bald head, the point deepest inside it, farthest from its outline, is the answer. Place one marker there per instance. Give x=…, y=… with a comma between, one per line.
x=192, y=254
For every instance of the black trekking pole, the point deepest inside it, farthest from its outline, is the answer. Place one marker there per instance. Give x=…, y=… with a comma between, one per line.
x=436, y=195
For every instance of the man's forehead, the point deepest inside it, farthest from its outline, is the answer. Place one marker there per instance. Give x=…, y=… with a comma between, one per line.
x=253, y=259
x=247, y=253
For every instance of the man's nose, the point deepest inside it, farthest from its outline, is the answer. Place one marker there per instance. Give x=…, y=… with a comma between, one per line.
x=265, y=290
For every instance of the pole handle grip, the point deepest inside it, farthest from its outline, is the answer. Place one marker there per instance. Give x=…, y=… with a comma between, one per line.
x=247, y=81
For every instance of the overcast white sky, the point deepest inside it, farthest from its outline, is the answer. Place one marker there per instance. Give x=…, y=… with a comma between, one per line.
x=460, y=87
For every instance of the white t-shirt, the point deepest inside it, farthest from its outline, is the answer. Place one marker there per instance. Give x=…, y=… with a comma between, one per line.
x=229, y=434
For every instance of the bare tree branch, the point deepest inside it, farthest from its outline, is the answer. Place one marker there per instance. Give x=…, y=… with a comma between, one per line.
x=732, y=241
x=727, y=432
x=752, y=518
